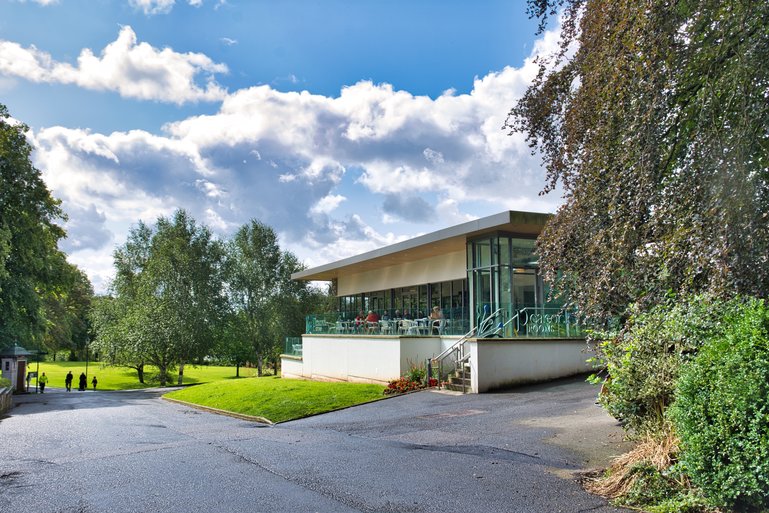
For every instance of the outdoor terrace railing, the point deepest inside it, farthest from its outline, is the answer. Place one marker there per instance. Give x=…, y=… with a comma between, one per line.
x=529, y=321
x=333, y=324
x=293, y=346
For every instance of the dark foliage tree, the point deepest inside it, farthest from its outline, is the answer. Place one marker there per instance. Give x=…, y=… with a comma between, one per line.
x=29, y=258
x=66, y=306
x=656, y=128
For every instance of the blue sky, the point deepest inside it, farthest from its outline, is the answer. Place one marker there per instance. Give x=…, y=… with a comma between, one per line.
x=345, y=125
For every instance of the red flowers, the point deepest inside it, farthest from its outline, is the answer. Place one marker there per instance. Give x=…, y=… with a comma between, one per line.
x=405, y=384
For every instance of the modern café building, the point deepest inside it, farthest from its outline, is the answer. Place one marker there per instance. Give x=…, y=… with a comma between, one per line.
x=495, y=321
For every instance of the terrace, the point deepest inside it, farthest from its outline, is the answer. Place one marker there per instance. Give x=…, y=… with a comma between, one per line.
x=471, y=294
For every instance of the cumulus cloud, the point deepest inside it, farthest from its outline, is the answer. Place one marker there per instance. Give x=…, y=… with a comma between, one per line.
x=327, y=204
x=130, y=68
x=150, y=7
x=302, y=162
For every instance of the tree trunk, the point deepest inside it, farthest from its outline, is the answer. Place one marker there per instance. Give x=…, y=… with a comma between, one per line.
x=259, y=365
x=237, y=369
x=163, y=375
x=140, y=372
x=181, y=373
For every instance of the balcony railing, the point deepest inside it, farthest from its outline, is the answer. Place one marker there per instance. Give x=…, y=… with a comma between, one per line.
x=293, y=346
x=530, y=322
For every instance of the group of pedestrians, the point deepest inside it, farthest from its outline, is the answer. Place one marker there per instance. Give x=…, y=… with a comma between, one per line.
x=83, y=381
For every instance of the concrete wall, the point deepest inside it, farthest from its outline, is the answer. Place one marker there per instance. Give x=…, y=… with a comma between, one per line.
x=496, y=363
x=449, y=266
x=291, y=366
x=376, y=359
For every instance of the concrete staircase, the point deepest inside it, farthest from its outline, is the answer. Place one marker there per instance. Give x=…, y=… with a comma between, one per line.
x=455, y=380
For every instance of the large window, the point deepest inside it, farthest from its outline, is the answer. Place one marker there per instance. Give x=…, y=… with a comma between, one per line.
x=414, y=302
x=503, y=275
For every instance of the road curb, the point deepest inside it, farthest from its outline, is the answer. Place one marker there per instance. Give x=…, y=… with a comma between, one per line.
x=241, y=416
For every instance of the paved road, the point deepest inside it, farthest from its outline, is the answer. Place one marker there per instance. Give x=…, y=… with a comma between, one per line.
x=423, y=452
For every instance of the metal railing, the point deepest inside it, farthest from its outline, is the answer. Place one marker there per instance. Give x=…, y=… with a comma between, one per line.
x=293, y=346
x=335, y=324
x=504, y=322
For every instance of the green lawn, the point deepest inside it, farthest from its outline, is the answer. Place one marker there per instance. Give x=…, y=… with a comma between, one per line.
x=121, y=378
x=278, y=399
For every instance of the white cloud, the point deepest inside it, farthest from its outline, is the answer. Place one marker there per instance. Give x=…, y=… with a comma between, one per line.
x=327, y=204
x=132, y=69
x=151, y=7
x=303, y=163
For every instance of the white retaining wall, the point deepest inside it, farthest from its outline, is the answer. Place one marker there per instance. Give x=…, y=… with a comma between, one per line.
x=500, y=363
x=376, y=359
x=494, y=363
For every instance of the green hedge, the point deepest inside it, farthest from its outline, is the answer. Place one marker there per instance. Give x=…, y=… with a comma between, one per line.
x=721, y=412
x=645, y=359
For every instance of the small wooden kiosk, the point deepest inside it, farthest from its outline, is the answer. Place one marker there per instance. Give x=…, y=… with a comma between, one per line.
x=13, y=362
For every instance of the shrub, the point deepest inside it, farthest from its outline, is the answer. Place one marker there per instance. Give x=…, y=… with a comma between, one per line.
x=401, y=385
x=645, y=359
x=417, y=373
x=721, y=413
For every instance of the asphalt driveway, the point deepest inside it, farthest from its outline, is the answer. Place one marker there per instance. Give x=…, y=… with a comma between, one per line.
x=515, y=451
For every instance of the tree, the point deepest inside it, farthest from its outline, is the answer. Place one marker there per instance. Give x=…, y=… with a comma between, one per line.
x=118, y=339
x=168, y=297
x=66, y=306
x=184, y=273
x=28, y=237
x=266, y=304
x=656, y=129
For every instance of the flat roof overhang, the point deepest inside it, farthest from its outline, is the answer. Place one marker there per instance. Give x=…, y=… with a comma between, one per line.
x=448, y=240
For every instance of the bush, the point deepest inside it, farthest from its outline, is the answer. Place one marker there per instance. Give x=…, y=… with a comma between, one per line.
x=721, y=413
x=645, y=359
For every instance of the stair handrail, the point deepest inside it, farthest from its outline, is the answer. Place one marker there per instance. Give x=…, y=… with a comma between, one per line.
x=458, y=347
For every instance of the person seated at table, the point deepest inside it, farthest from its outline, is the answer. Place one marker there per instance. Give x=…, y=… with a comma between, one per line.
x=385, y=316
x=372, y=316
x=436, y=314
x=397, y=315
x=406, y=314
x=360, y=320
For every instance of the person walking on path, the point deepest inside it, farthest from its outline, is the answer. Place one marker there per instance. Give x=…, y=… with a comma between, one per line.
x=93, y=382
x=83, y=384
x=68, y=381
x=42, y=382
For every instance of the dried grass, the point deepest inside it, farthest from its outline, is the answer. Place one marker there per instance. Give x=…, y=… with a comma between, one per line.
x=657, y=450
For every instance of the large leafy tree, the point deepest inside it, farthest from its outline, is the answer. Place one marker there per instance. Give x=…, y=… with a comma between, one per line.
x=266, y=304
x=656, y=128
x=168, y=297
x=66, y=306
x=29, y=258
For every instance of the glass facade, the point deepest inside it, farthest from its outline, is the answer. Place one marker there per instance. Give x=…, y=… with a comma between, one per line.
x=509, y=298
x=502, y=296
x=414, y=302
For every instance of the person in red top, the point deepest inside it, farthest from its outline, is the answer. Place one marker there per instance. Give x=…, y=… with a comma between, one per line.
x=360, y=321
x=372, y=317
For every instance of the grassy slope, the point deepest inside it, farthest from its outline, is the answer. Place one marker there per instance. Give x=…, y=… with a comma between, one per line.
x=279, y=399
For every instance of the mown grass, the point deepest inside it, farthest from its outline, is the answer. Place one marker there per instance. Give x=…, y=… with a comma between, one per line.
x=121, y=378
x=278, y=399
